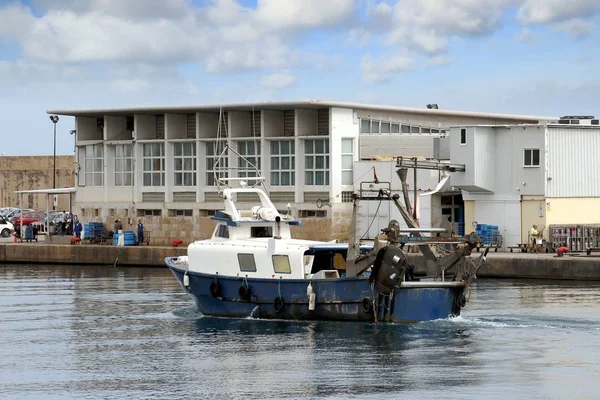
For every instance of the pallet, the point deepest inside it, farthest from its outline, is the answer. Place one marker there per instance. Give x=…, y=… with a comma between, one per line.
x=521, y=246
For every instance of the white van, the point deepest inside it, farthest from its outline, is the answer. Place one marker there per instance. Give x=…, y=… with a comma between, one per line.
x=6, y=228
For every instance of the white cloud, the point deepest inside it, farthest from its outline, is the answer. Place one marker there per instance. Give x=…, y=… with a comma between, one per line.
x=575, y=28
x=223, y=35
x=546, y=11
x=426, y=25
x=278, y=80
x=526, y=36
x=385, y=67
x=440, y=61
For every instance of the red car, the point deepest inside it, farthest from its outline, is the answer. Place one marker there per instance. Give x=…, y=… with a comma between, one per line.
x=28, y=218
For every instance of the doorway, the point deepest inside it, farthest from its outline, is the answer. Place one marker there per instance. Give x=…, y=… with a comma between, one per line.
x=453, y=207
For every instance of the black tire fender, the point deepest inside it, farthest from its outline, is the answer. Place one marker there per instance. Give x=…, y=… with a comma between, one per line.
x=366, y=305
x=278, y=304
x=214, y=288
x=245, y=292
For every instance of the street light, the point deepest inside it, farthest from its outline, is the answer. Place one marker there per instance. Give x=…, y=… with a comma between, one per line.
x=54, y=119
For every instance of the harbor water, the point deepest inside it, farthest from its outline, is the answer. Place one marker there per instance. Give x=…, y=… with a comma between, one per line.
x=74, y=332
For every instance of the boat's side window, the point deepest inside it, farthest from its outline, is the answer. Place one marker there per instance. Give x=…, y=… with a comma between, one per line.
x=223, y=231
x=281, y=264
x=261, y=231
x=246, y=262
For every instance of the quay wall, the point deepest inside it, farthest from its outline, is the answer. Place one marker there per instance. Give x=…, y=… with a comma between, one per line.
x=534, y=266
x=498, y=265
x=41, y=253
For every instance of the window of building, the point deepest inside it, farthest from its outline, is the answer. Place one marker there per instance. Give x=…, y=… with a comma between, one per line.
x=223, y=231
x=532, y=158
x=415, y=129
x=385, y=127
x=246, y=262
x=347, y=161
x=313, y=213
x=123, y=165
x=316, y=162
x=149, y=213
x=365, y=126
x=154, y=164
x=207, y=213
x=283, y=163
x=181, y=213
x=184, y=156
x=463, y=136
x=395, y=128
x=250, y=150
x=213, y=151
x=94, y=165
x=405, y=128
x=374, y=126
x=281, y=264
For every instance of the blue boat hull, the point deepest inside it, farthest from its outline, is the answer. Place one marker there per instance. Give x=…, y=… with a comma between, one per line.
x=347, y=299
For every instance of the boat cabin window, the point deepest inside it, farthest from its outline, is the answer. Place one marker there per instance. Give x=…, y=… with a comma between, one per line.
x=223, y=231
x=246, y=262
x=281, y=264
x=261, y=231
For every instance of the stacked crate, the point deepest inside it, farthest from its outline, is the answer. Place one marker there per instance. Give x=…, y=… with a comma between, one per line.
x=575, y=237
x=93, y=230
x=489, y=234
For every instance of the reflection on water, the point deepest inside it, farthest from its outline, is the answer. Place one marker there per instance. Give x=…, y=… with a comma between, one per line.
x=101, y=332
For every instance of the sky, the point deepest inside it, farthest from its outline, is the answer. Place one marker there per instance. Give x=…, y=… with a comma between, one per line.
x=534, y=57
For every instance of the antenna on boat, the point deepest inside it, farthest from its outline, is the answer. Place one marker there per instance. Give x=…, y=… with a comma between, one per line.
x=246, y=171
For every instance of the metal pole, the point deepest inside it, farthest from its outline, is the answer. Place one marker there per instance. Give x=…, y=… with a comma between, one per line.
x=54, y=167
x=415, y=189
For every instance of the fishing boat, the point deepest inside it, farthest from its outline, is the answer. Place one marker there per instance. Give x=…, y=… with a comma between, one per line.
x=252, y=267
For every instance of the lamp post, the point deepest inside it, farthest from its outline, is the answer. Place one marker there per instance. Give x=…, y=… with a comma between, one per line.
x=54, y=119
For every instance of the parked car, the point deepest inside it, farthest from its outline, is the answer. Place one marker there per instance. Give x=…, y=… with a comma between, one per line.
x=6, y=211
x=27, y=217
x=6, y=228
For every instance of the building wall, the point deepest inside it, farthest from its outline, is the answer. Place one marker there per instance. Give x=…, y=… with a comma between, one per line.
x=533, y=212
x=34, y=172
x=572, y=210
x=573, y=162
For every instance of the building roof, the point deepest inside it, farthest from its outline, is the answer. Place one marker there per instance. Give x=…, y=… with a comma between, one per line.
x=285, y=105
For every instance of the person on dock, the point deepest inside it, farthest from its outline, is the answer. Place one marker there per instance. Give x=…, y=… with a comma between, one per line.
x=140, y=232
x=533, y=238
x=77, y=228
x=118, y=226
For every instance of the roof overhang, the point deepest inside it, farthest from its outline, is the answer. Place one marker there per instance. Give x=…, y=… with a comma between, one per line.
x=286, y=105
x=47, y=191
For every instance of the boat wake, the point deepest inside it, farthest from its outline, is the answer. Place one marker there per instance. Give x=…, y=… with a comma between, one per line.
x=514, y=322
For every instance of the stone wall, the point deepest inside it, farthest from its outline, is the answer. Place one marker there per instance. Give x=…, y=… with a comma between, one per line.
x=162, y=230
x=34, y=172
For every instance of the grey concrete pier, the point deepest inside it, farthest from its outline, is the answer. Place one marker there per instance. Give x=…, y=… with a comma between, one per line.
x=499, y=265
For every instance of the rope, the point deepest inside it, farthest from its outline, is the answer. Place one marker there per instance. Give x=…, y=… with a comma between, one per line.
x=355, y=181
x=372, y=221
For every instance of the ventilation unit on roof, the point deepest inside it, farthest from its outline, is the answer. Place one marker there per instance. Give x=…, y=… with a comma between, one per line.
x=578, y=120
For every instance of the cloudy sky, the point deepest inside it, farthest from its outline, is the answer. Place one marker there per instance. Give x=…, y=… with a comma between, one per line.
x=518, y=56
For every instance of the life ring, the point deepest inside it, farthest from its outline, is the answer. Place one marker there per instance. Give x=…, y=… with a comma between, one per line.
x=367, y=305
x=278, y=304
x=214, y=288
x=244, y=292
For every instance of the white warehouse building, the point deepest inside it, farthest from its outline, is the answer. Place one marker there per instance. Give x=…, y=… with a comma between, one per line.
x=520, y=175
x=156, y=163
